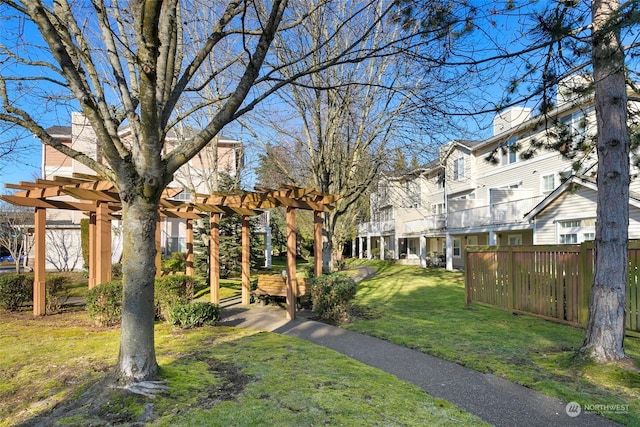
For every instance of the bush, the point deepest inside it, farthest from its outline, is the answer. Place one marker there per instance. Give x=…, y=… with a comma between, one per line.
x=330, y=294
x=15, y=290
x=176, y=264
x=171, y=291
x=104, y=303
x=56, y=293
x=116, y=271
x=193, y=315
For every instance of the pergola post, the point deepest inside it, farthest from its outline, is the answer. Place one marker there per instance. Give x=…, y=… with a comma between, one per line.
x=103, y=243
x=92, y=250
x=292, y=284
x=101, y=199
x=317, y=242
x=214, y=257
x=246, y=261
x=189, y=262
x=39, y=281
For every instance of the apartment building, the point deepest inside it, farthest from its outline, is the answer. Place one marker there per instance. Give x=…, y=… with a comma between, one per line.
x=63, y=227
x=504, y=190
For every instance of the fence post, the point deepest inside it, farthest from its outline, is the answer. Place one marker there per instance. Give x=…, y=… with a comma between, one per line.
x=511, y=281
x=585, y=280
x=467, y=279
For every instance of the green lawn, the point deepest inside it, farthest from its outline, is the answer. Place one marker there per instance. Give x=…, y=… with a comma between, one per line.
x=218, y=376
x=425, y=310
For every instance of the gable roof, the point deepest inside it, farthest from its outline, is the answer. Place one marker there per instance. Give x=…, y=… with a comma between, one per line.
x=584, y=181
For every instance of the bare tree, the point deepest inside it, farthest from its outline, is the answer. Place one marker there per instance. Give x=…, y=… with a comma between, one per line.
x=16, y=229
x=125, y=64
x=338, y=128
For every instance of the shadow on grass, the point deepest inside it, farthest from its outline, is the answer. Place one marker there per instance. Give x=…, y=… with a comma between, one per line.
x=225, y=376
x=424, y=309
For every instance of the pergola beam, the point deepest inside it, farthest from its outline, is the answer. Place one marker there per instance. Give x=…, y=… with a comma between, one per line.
x=101, y=201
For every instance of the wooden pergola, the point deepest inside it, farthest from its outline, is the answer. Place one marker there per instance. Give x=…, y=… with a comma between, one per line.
x=100, y=201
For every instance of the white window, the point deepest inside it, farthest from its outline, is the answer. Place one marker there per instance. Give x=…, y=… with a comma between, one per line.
x=568, y=238
x=548, y=183
x=457, y=247
x=458, y=168
x=576, y=123
x=437, y=208
x=514, y=239
x=574, y=231
x=412, y=189
x=510, y=151
x=184, y=195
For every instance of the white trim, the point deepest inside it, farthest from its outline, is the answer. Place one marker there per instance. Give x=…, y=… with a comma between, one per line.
x=543, y=190
x=453, y=247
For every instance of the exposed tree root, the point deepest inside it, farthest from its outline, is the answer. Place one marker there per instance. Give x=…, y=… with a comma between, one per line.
x=146, y=388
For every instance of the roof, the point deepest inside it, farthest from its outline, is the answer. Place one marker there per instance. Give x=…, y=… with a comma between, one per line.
x=59, y=130
x=584, y=181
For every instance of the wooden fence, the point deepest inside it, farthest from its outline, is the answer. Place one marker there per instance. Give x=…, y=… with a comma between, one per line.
x=553, y=282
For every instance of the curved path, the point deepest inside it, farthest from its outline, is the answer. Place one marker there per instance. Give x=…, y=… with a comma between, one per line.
x=493, y=399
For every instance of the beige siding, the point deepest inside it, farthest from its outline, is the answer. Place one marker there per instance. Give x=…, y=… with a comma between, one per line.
x=460, y=183
x=578, y=205
x=54, y=159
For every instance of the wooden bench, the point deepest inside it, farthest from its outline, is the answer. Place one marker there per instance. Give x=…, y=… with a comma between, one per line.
x=274, y=285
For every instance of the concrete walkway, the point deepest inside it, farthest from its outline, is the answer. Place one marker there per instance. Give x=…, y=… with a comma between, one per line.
x=494, y=400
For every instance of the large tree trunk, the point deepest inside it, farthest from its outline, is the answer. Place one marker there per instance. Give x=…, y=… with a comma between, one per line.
x=605, y=332
x=137, y=359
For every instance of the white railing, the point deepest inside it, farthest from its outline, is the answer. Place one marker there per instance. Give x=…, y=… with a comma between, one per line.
x=433, y=222
x=494, y=214
x=376, y=227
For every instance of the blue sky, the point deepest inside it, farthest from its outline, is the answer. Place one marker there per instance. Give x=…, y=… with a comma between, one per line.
x=25, y=168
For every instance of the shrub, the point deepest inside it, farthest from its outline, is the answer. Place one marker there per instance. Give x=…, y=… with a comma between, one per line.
x=193, y=315
x=176, y=264
x=116, y=271
x=57, y=292
x=341, y=265
x=330, y=294
x=171, y=291
x=104, y=303
x=15, y=290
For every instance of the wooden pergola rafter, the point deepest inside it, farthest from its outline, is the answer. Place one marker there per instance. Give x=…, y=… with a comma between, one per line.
x=100, y=200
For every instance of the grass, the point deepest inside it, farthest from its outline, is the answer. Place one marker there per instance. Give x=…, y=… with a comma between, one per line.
x=425, y=310
x=226, y=376
x=218, y=376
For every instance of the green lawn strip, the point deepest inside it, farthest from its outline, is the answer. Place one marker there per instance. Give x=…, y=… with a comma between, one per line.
x=217, y=376
x=425, y=310
x=290, y=382
x=228, y=288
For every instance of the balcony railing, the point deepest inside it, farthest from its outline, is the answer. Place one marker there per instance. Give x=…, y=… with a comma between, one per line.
x=376, y=227
x=495, y=214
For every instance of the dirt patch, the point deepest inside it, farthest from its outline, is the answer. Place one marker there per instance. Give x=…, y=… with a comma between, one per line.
x=233, y=382
x=103, y=405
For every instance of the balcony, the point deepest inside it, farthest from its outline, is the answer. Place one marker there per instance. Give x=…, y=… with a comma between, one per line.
x=479, y=216
x=428, y=223
x=382, y=227
x=495, y=214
